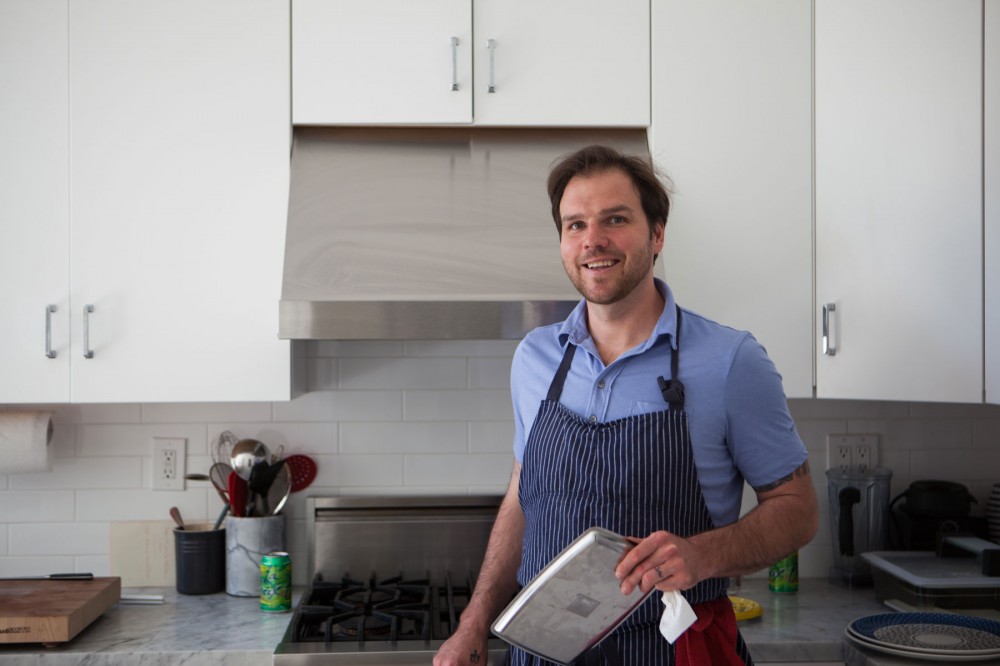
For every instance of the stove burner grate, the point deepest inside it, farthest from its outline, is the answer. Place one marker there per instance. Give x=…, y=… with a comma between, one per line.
x=392, y=609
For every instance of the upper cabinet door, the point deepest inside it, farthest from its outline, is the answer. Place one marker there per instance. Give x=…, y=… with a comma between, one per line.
x=732, y=127
x=562, y=62
x=398, y=62
x=34, y=200
x=899, y=199
x=179, y=187
x=991, y=115
x=381, y=61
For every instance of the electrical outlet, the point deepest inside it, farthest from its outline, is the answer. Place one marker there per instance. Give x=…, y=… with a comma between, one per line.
x=857, y=452
x=839, y=452
x=865, y=453
x=169, y=463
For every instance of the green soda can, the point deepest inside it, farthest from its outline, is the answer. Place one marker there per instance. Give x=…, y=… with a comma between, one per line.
x=783, y=575
x=276, y=583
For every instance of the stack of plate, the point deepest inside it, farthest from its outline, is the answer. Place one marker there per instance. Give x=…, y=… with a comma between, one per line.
x=928, y=636
x=993, y=513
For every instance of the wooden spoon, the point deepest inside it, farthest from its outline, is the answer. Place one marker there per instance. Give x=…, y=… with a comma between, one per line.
x=175, y=513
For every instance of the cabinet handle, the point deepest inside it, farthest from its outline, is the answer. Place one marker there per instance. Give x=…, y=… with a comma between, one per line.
x=454, y=64
x=828, y=347
x=49, y=352
x=87, y=351
x=491, y=45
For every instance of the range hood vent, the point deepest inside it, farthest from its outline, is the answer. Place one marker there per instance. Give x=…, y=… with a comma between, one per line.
x=426, y=233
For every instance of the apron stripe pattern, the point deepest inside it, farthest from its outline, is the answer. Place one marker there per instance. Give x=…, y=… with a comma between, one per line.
x=633, y=476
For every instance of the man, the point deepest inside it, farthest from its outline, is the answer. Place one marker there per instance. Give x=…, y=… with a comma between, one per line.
x=646, y=419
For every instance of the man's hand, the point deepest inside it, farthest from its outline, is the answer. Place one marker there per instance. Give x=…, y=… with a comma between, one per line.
x=661, y=560
x=464, y=648
x=784, y=519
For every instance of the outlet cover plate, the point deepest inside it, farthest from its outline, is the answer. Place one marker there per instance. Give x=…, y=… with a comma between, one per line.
x=169, y=463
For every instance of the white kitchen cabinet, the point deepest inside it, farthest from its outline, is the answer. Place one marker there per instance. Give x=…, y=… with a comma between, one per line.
x=991, y=163
x=175, y=170
x=34, y=200
x=732, y=127
x=179, y=144
x=899, y=198
x=562, y=63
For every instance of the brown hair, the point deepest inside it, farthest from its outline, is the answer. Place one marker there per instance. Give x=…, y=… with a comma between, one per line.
x=653, y=194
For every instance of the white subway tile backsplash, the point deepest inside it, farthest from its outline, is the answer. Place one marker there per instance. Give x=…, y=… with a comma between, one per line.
x=491, y=437
x=917, y=433
x=946, y=463
x=333, y=406
x=89, y=473
x=37, y=566
x=484, y=405
x=117, y=505
x=76, y=414
x=322, y=374
x=99, y=565
x=808, y=409
x=489, y=373
x=986, y=434
x=436, y=470
x=136, y=440
x=206, y=411
x=37, y=506
x=336, y=472
x=294, y=437
x=405, y=373
x=405, y=437
x=59, y=539
x=398, y=418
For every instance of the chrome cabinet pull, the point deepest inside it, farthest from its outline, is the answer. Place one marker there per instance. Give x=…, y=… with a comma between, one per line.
x=49, y=352
x=454, y=63
x=828, y=347
x=491, y=45
x=87, y=351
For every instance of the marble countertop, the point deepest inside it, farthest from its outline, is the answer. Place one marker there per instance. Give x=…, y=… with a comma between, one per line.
x=233, y=631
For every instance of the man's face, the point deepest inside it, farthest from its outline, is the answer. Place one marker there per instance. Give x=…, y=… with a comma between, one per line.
x=606, y=245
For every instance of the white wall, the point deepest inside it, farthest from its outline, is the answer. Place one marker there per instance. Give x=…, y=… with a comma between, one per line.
x=396, y=418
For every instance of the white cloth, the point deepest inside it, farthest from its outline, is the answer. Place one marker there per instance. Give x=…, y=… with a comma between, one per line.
x=677, y=615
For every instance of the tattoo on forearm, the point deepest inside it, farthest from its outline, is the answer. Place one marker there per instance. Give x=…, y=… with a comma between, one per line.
x=474, y=657
x=801, y=470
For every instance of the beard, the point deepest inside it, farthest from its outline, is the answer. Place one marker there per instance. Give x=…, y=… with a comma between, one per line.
x=627, y=274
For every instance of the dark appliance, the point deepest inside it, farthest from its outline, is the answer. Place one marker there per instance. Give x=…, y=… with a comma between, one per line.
x=859, y=520
x=930, y=509
x=390, y=577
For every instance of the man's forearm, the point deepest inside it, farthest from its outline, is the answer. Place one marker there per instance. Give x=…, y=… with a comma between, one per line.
x=497, y=581
x=784, y=520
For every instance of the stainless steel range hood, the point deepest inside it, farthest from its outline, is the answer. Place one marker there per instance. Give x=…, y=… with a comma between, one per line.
x=426, y=233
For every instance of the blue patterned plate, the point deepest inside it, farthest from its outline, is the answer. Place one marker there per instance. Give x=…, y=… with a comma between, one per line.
x=930, y=633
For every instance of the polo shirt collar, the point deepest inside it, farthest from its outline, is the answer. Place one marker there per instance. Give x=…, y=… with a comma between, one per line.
x=575, y=330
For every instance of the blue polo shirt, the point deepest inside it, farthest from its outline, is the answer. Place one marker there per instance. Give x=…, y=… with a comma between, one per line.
x=737, y=412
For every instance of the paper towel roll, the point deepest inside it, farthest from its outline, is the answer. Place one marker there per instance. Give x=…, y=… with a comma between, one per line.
x=24, y=442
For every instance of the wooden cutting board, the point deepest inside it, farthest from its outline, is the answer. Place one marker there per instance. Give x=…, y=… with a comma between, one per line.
x=53, y=611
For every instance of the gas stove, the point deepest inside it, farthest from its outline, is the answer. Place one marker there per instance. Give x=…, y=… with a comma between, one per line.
x=391, y=577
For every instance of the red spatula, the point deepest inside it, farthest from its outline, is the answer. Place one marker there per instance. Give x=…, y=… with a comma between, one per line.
x=238, y=493
x=303, y=469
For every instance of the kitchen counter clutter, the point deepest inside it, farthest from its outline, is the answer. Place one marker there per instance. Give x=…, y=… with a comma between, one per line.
x=221, y=629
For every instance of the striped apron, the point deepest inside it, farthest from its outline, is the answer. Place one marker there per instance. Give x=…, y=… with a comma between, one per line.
x=633, y=476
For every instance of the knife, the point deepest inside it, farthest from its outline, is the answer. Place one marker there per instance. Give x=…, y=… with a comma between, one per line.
x=56, y=576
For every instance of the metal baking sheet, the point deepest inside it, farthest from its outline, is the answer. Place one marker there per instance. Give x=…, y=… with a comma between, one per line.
x=573, y=603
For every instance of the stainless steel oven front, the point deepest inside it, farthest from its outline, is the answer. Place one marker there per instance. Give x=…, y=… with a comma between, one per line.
x=390, y=577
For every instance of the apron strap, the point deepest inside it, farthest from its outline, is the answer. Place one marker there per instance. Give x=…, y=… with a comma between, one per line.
x=555, y=389
x=673, y=390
